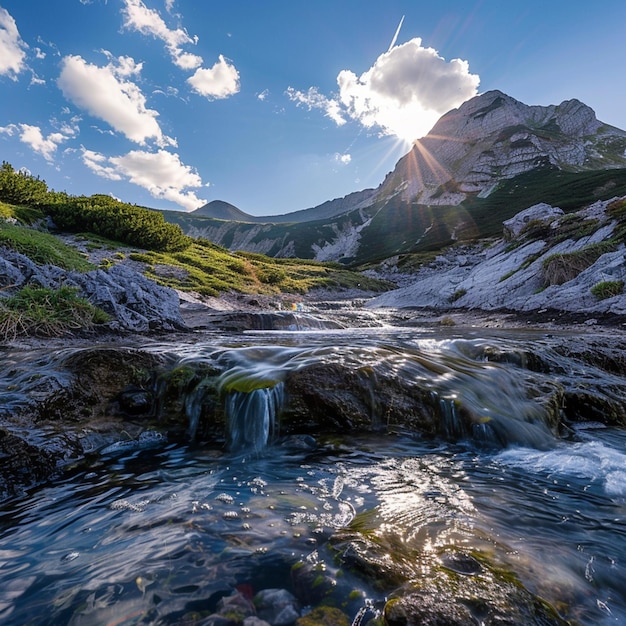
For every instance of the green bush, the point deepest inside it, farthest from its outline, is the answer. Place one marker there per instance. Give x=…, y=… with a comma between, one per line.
x=42, y=312
x=608, y=289
x=459, y=293
x=110, y=218
x=20, y=187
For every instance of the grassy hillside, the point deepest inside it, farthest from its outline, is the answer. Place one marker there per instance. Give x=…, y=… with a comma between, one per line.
x=124, y=231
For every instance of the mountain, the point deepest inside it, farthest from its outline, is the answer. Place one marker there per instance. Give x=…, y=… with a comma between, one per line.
x=493, y=137
x=480, y=164
x=220, y=210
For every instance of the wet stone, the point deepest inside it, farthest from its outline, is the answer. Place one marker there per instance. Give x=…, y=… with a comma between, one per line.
x=461, y=563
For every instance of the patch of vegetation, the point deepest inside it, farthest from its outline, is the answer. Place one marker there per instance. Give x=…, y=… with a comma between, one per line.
x=36, y=311
x=112, y=219
x=560, y=268
x=570, y=191
x=507, y=275
x=42, y=248
x=617, y=211
x=210, y=270
x=21, y=214
x=459, y=293
x=536, y=229
x=608, y=289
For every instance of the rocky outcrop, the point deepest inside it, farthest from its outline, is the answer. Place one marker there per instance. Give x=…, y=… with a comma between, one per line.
x=136, y=303
x=492, y=137
x=539, y=213
x=515, y=275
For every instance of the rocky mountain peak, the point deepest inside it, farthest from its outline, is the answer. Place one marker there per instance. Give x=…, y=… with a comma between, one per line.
x=494, y=136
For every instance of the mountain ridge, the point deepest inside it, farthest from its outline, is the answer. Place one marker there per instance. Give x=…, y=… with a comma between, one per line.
x=489, y=155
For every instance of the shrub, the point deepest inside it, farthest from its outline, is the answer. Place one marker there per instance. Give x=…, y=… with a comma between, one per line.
x=110, y=218
x=271, y=275
x=459, y=293
x=560, y=268
x=19, y=187
x=46, y=312
x=608, y=289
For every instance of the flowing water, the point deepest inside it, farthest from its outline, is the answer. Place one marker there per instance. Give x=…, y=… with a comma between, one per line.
x=156, y=534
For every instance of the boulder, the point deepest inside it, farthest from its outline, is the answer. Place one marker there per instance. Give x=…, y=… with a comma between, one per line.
x=541, y=213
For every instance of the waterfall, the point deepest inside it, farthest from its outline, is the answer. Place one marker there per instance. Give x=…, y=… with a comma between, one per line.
x=251, y=417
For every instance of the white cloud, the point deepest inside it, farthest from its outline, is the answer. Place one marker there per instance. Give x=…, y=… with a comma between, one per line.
x=344, y=159
x=313, y=99
x=32, y=136
x=161, y=173
x=12, y=48
x=137, y=16
x=220, y=81
x=403, y=94
x=105, y=93
x=263, y=95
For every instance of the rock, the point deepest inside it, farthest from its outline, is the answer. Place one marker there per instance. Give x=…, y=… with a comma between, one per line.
x=455, y=589
x=135, y=302
x=236, y=607
x=255, y=621
x=311, y=583
x=505, y=277
x=22, y=463
x=277, y=606
x=332, y=396
x=539, y=213
x=324, y=616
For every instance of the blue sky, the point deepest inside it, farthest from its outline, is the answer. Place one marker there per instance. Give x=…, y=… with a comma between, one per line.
x=276, y=105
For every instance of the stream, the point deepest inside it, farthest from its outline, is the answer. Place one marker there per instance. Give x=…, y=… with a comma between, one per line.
x=161, y=532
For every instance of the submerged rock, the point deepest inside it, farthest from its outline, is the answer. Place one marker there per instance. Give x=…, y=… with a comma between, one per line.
x=454, y=588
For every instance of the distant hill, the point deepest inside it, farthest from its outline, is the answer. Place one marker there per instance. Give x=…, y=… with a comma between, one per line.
x=480, y=164
x=220, y=210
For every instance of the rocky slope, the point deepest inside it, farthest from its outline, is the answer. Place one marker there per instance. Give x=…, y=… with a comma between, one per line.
x=493, y=137
x=546, y=260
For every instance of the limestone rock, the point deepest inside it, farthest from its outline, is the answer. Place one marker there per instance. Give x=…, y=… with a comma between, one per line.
x=494, y=136
x=537, y=213
x=136, y=303
x=512, y=277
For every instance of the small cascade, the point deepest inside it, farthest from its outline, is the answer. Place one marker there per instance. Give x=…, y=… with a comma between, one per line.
x=251, y=417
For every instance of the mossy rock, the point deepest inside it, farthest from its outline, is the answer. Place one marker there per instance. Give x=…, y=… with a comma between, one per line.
x=324, y=616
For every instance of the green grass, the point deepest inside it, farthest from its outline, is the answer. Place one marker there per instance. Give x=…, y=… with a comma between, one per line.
x=210, y=270
x=42, y=248
x=459, y=293
x=23, y=214
x=36, y=311
x=560, y=268
x=608, y=289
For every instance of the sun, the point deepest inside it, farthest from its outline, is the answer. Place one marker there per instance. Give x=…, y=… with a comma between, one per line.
x=409, y=124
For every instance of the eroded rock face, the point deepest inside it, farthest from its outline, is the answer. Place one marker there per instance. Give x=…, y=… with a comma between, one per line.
x=136, y=303
x=85, y=401
x=512, y=276
x=494, y=136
